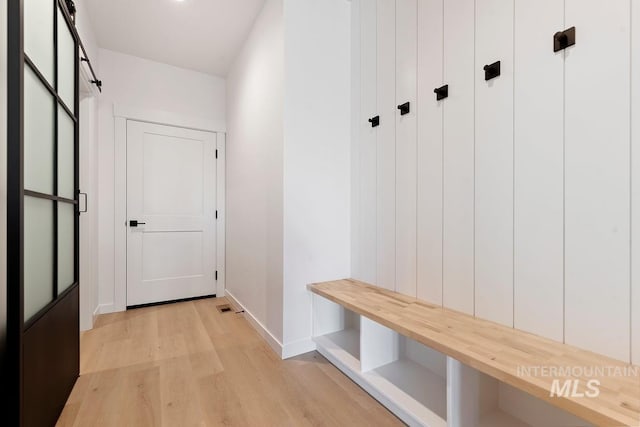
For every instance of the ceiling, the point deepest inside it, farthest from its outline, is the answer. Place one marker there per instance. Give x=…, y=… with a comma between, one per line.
x=202, y=35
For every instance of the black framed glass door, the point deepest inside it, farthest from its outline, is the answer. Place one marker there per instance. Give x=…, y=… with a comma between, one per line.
x=42, y=226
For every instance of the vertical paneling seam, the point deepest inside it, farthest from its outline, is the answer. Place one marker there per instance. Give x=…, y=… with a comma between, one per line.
x=360, y=258
x=378, y=186
x=513, y=174
x=442, y=78
x=395, y=147
x=631, y=111
x=417, y=52
x=475, y=36
x=564, y=183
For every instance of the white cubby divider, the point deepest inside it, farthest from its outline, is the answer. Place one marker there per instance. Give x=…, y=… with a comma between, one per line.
x=379, y=345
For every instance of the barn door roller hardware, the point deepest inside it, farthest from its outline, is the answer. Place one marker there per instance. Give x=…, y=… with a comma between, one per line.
x=441, y=92
x=68, y=8
x=98, y=84
x=375, y=121
x=564, y=39
x=71, y=8
x=492, y=71
x=404, y=108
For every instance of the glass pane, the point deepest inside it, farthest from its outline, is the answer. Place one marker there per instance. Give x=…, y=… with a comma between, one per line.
x=66, y=245
x=66, y=182
x=38, y=134
x=38, y=254
x=38, y=35
x=66, y=63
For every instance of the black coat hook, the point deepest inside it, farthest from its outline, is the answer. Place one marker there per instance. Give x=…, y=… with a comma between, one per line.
x=492, y=71
x=375, y=121
x=404, y=108
x=441, y=92
x=564, y=39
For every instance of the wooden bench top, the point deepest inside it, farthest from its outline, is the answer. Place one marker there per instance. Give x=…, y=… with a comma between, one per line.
x=502, y=352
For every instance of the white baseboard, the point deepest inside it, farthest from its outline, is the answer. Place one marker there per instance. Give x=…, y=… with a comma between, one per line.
x=273, y=342
x=96, y=313
x=106, y=308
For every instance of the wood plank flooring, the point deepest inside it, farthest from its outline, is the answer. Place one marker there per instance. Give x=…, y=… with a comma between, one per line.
x=187, y=364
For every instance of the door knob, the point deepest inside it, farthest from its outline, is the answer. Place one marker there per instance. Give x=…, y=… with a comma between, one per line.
x=135, y=223
x=375, y=121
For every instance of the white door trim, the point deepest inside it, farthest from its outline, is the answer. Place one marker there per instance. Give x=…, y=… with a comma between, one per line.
x=168, y=119
x=221, y=180
x=121, y=115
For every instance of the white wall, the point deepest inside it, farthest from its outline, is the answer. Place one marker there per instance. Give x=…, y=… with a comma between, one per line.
x=89, y=165
x=148, y=86
x=85, y=30
x=317, y=157
x=289, y=165
x=88, y=174
x=254, y=172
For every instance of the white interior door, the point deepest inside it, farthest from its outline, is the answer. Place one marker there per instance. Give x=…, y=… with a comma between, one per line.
x=171, y=193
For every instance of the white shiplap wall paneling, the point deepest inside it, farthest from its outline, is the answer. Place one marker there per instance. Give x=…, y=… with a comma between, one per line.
x=494, y=163
x=538, y=169
x=635, y=185
x=406, y=149
x=459, y=72
x=386, y=168
x=368, y=143
x=510, y=198
x=597, y=177
x=429, y=151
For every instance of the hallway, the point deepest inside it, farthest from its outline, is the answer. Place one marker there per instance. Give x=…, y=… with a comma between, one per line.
x=187, y=364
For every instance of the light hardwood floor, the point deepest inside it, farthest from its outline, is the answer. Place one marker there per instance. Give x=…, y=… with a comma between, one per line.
x=187, y=364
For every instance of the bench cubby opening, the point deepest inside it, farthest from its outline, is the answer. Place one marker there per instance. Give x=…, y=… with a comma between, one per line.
x=412, y=375
x=482, y=401
x=337, y=329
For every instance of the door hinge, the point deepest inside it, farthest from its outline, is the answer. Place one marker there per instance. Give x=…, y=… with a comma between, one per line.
x=216, y=154
x=216, y=274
